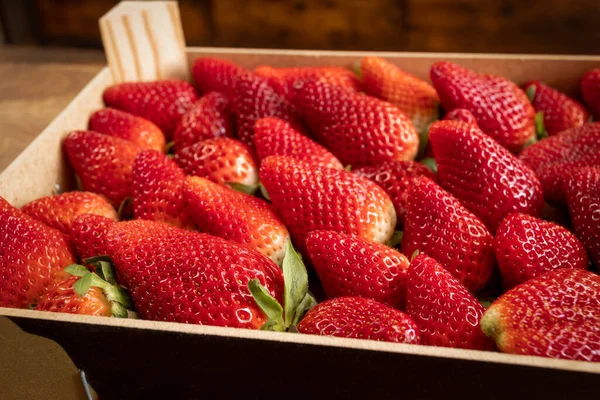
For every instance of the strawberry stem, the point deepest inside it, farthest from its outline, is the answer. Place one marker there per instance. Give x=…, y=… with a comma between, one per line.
x=240, y=187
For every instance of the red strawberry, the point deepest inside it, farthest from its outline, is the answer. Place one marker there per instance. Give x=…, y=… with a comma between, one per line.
x=214, y=74
x=556, y=158
x=88, y=235
x=583, y=198
x=500, y=107
x=358, y=129
x=443, y=309
x=560, y=112
x=158, y=189
x=162, y=102
x=416, y=98
x=209, y=118
x=182, y=276
x=460, y=114
x=309, y=198
x=32, y=257
x=235, y=216
x=359, y=318
x=103, y=163
x=60, y=211
x=349, y=266
x=222, y=160
x=396, y=177
x=254, y=99
x=590, y=89
x=439, y=226
x=275, y=137
x=482, y=175
x=527, y=247
x=554, y=315
x=129, y=127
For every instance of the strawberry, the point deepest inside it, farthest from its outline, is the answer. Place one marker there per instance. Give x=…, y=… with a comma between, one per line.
x=275, y=137
x=158, y=189
x=359, y=318
x=235, y=216
x=88, y=235
x=560, y=112
x=349, y=266
x=416, y=98
x=87, y=293
x=482, y=175
x=395, y=177
x=500, y=107
x=182, y=276
x=460, y=114
x=60, y=211
x=222, y=160
x=308, y=198
x=439, y=226
x=358, y=129
x=590, y=89
x=210, y=117
x=214, y=74
x=583, y=198
x=443, y=309
x=254, y=99
x=32, y=257
x=284, y=79
x=527, y=247
x=127, y=126
x=556, y=158
x=553, y=315
x=103, y=163
x=162, y=102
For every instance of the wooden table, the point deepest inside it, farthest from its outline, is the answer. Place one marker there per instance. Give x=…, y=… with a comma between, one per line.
x=35, y=85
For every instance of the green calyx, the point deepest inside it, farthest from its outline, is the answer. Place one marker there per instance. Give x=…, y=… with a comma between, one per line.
x=395, y=239
x=540, y=129
x=169, y=147
x=263, y=191
x=240, y=187
x=297, y=298
x=127, y=201
x=530, y=91
x=105, y=279
x=430, y=163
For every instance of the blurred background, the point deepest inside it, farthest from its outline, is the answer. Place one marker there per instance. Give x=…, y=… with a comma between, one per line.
x=491, y=26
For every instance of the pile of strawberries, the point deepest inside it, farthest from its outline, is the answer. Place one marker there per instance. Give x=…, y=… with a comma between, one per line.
x=475, y=231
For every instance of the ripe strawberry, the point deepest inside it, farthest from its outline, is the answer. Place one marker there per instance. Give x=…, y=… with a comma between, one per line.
x=32, y=257
x=308, y=198
x=396, y=177
x=127, y=126
x=583, y=198
x=439, y=226
x=556, y=158
x=222, y=160
x=158, y=189
x=182, y=276
x=500, y=107
x=527, y=247
x=460, y=114
x=482, y=175
x=235, y=216
x=553, y=315
x=275, y=137
x=560, y=112
x=88, y=235
x=358, y=129
x=416, y=98
x=162, y=102
x=254, y=99
x=60, y=211
x=209, y=118
x=443, y=309
x=102, y=163
x=590, y=89
x=359, y=318
x=214, y=74
x=349, y=266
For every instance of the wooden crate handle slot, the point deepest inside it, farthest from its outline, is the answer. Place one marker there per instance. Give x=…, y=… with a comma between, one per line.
x=144, y=41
